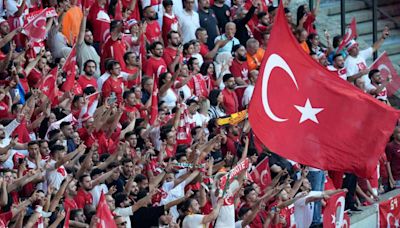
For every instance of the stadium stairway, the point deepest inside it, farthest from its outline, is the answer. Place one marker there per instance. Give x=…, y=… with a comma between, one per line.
x=388, y=15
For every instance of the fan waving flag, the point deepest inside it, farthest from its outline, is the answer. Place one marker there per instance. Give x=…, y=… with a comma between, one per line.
x=334, y=211
x=104, y=214
x=304, y=113
x=386, y=68
x=70, y=70
x=351, y=34
x=36, y=29
x=48, y=84
x=261, y=174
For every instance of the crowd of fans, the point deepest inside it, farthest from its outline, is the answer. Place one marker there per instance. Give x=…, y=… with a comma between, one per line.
x=160, y=165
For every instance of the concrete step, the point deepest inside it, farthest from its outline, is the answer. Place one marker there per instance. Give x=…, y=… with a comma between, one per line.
x=387, y=2
x=366, y=27
x=361, y=16
x=394, y=33
x=391, y=10
x=396, y=61
x=333, y=8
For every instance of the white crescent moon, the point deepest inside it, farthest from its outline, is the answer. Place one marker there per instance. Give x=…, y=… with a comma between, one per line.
x=341, y=202
x=388, y=219
x=36, y=21
x=383, y=66
x=273, y=61
x=263, y=173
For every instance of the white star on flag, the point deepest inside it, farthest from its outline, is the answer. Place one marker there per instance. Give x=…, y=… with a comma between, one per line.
x=308, y=112
x=333, y=219
x=45, y=89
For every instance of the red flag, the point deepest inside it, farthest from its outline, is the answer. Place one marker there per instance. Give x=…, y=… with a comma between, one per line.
x=389, y=212
x=66, y=220
x=387, y=70
x=351, y=33
x=154, y=104
x=70, y=70
x=334, y=211
x=104, y=214
x=346, y=220
x=36, y=29
x=118, y=11
x=48, y=84
x=261, y=174
x=22, y=132
x=314, y=118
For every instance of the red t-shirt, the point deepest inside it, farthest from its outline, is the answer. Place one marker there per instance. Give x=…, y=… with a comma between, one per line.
x=100, y=21
x=169, y=23
x=170, y=54
x=393, y=156
x=199, y=86
x=5, y=218
x=114, y=49
x=155, y=67
x=203, y=49
x=153, y=31
x=124, y=117
x=240, y=70
x=131, y=83
x=113, y=85
x=382, y=167
x=135, y=14
x=82, y=198
x=87, y=81
x=3, y=110
x=34, y=78
x=70, y=204
x=231, y=104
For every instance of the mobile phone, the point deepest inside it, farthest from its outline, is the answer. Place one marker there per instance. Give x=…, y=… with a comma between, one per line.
x=112, y=99
x=273, y=209
x=181, y=94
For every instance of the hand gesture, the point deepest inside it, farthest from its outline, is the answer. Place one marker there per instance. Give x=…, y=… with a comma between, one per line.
x=112, y=190
x=188, y=194
x=385, y=32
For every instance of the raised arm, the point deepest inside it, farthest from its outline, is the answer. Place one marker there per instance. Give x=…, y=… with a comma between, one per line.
x=214, y=214
x=378, y=44
x=103, y=177
x=82, y=29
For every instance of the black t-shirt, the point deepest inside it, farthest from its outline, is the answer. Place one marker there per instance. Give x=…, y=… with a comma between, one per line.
x=222, y=14
x=147, y=216
x=209, y=22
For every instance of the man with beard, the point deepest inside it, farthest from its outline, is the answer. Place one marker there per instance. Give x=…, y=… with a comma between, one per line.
x=6, y=36
x=208, y=20
x=87, y=79
x=208, y=54
x=155, y=64
x=99, y=21
x=173, y=54
x=114, y=47
x=84, y=47
x=39, y=71
x=338, y=66
x=378, y=85
x=153, y=30
x=239, y=67
x=133, y=68
x=86, y=184
x=230, y=102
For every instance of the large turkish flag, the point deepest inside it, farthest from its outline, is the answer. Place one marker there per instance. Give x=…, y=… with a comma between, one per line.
x=389, y=212
x=104, y=214
x=35, y=30
x=305, y=113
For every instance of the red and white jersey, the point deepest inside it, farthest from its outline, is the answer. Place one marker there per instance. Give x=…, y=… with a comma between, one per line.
x=56, y=176
x=342, y=73
x=380, y=96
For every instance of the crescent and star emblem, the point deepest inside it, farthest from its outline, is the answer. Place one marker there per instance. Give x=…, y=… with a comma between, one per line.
x=307, y=111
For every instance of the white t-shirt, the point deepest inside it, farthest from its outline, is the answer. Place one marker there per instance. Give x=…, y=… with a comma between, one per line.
x=55, y=176
x=354, y=65
x=174, y=193
x=193, y=221
x=96, y=193
x=169, y=99
x=342, y=73
x=226, y=216
x=125, y=212
x=303, y=213
x=248, y=93
x=189, y=22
